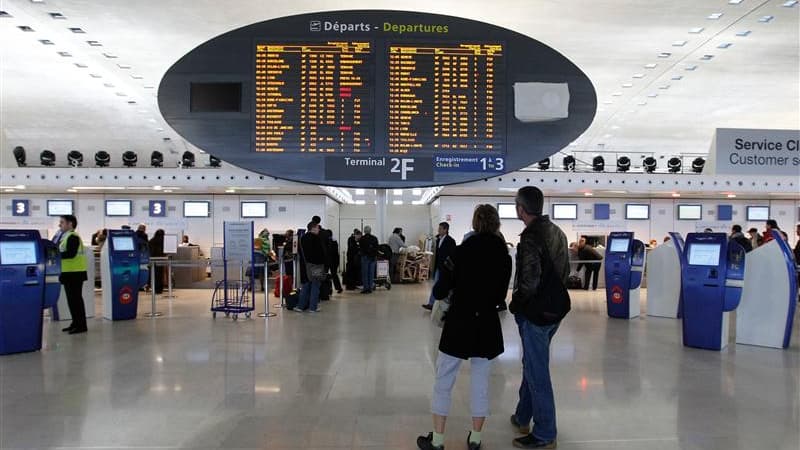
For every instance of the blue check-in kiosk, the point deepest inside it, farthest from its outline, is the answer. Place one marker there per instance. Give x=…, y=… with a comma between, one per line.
x=712, y=281
x=624, y=261
x=28, y=281
x=123, y=270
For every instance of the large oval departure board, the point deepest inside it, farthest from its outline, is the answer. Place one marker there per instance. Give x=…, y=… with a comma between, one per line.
x=377, y=99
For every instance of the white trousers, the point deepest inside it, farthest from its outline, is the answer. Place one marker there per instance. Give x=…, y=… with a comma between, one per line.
x=446, y=370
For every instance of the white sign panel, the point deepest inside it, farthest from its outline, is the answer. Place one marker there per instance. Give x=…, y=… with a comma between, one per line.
x=238, y=241
x=756, y=152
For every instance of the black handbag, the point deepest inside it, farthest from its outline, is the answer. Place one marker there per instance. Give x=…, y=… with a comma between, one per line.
x=551, y=303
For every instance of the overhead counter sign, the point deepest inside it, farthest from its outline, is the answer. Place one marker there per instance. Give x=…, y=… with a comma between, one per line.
x=756, y=152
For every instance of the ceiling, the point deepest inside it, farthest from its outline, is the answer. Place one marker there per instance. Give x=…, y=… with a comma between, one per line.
x=103, y=96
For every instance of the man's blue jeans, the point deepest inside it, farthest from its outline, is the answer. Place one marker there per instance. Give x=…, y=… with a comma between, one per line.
x=368, y=273
x=309, y=295
x=536, y=400
x=431, y=299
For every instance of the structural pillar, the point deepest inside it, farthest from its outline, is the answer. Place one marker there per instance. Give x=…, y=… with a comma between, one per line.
x=380, y=214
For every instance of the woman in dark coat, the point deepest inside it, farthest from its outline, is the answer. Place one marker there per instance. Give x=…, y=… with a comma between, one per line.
x=352, y=275
x=477, y=281
x=156, y=246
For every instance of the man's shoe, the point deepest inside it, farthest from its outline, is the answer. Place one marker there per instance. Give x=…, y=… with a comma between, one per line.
x=531, y=442
x=78, y=330
x=426, y=443
x=69, y=328
x=338, y=291
x=315, y=310
x=472, y=445
x=524, y=429
x=428, y=307
x=297, y=310
x=365, y=291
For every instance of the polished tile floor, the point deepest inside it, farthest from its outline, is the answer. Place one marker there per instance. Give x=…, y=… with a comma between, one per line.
x=358, y=376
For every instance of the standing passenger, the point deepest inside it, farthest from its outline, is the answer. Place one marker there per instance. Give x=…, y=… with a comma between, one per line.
x=156, y=246
x=313, y=254
x=368, y=247
x=352, y=276
x=542, y=252
x=73, y=272
x=445, y=246
x=472, y=328
x=396, y=242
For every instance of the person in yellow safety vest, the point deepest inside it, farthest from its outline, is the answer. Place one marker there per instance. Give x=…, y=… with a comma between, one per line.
x=73, y=272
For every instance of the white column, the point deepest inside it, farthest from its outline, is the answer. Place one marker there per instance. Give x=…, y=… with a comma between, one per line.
x=380, y=214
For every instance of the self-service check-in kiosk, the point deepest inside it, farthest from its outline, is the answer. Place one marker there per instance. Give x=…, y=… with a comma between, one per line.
x=29, y=272
x=712, y=280
x=624, y=261
x=664, y=265
x=123, y=270
x=61, y=310
x=769, y=298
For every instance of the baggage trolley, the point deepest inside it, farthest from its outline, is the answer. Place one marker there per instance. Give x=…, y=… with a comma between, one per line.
x=232, y=298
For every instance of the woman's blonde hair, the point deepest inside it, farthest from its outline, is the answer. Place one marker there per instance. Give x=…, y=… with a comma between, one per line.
x=485, y=219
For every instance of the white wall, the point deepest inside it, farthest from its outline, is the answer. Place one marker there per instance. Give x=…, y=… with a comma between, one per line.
x=663, y=216
x=283, y=212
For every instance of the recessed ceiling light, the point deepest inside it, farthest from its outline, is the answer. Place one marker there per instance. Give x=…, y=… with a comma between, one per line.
x=627, y=85
x=789, y=4
x=77, y=30
x=731, y=195
x=57, y=15
x=707, y=57
x=25, y=28
x=65, y=54
x=108, y=85
x=81, y=65
x=679, y=43
x=95, y=75
x=123, y=66
x=677, y=77
x=664, y=86
x=360, y=191
x=696, y=30
x=587, y=194
x=638, y=75
x=121, y=94
x=110, y=55
x=136, y=77
x=650, y=66
x=744, y=33
x=653, y=94
x=417, y=202
x=765, y=19
x=94, y=43
x=159, y=129
x=690, y=67
x=714, y=16
x=664, y=55
x=361, y=202
x=72, y=190
x=608, y=102
x=168, y=191
x=4, y=14
x=397, y=202
x=416, y=191
x=398, y=192
x=734, y=2
x=642, y=102
x=230, y=191
x=616, y=94
x=724, y=45
x=47, y=42
x=675, y=194
x=37, y=1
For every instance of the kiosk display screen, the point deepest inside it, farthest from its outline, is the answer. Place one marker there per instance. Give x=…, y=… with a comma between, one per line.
x=14, y=253
x=757, y=213
x=254, y=209
x=507, y=210
x=619, y=245
x=637, y=212
x=196, y=209
x=690, y=212
x=59, y=207
x=704, y=254
x=568, y=211
x=123, y=243
x=117, y=208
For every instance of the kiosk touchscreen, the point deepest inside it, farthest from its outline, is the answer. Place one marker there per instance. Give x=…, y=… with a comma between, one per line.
x=22, y=291
x=664, y=278
x=122, y=275
x=712, y=280
x=624, y=261
x=769, y=298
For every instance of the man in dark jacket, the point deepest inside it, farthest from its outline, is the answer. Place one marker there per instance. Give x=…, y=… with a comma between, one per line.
x=587, y=252
x=352, y=275
x=445, y=248
x=313, y=254
x=368, y=248
x=541, y=239
x=740, y=238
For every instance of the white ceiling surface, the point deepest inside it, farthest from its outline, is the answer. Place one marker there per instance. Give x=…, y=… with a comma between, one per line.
x=46, y=101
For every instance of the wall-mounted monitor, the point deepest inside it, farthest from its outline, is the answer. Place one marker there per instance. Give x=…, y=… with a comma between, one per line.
x=59, y=207
x=122, y=243
x=118, y=208
x=196, y=209
x=565, y=211
x=253, y=210
x=619, y=245
x=757, y=213
x=637, y=212
x=507, y=210
x=690, y=212
x=704, y=254
x=13, y=253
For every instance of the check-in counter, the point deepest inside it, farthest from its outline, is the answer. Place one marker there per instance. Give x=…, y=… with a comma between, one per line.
x=185, y=277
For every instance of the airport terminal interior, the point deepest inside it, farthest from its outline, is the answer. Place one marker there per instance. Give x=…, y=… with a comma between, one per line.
x=221, y=224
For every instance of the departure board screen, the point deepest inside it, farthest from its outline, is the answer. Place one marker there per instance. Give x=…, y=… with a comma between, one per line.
x=446, y=97
x=314, y=97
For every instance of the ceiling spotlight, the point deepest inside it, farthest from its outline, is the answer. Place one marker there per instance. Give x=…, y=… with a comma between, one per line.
x=569, y=163
x=598, y=163
x=47, y=158
x=19, y=155
x=623, y=164
x=188, y=159
x=544, y=164
x=674, y=164
x=102, y=158
x=650, y=164
x=213, y=161
x=75, y=158
x=129, y=159
x=698, y=164
x=157, y=159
